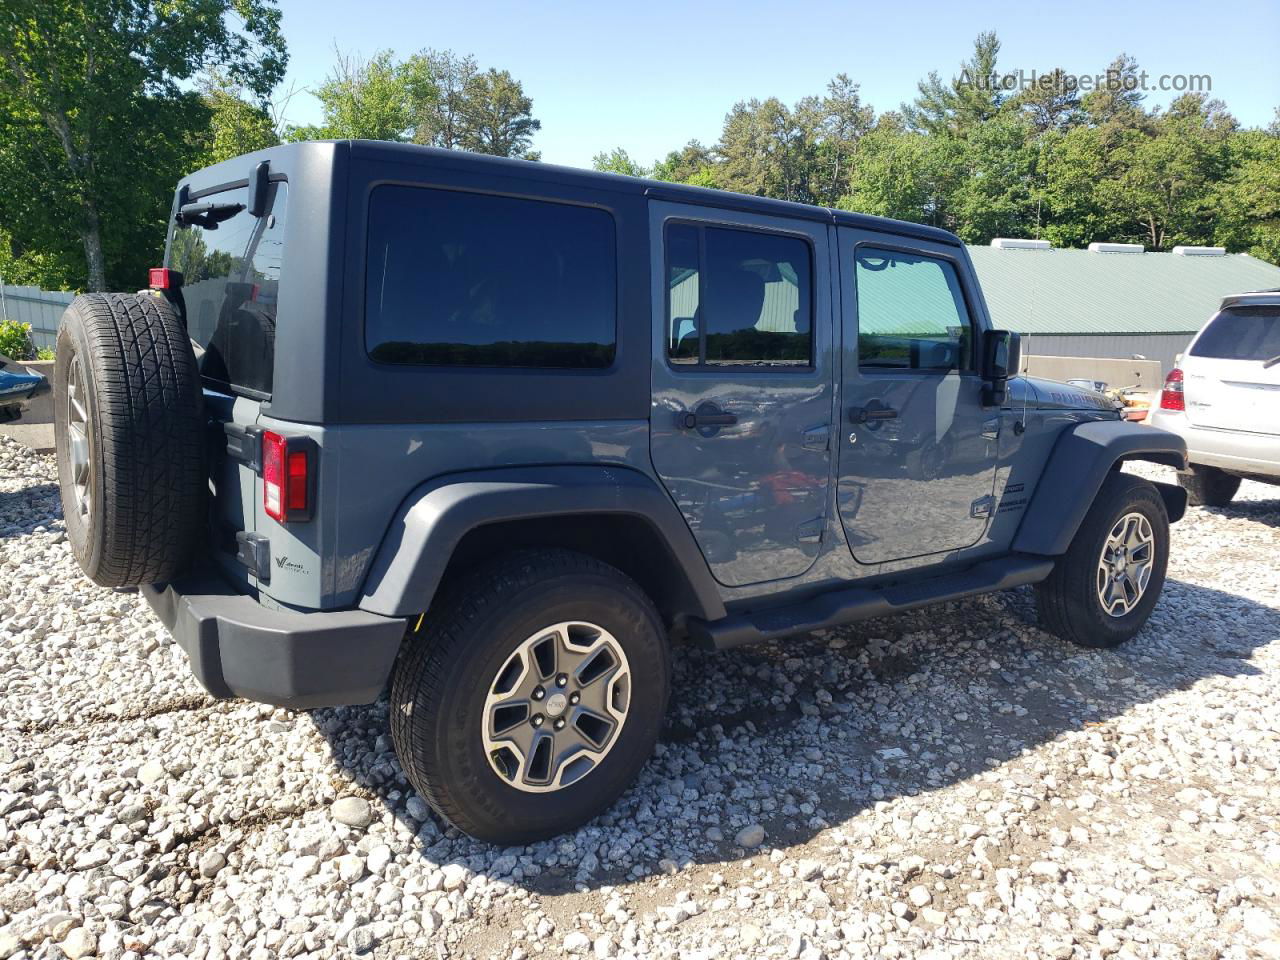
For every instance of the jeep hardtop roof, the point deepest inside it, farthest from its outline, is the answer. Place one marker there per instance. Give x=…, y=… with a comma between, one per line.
x=288, y=155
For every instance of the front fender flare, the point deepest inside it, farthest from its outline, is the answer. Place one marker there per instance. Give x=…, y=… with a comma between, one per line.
x=1080, y=461
x=435, y=517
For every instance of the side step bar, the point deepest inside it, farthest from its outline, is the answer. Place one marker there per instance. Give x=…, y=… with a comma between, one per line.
x=863, y=603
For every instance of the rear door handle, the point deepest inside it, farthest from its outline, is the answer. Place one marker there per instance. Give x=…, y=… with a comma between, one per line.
x=707, y=415
x=872, y=411
x=692, y=421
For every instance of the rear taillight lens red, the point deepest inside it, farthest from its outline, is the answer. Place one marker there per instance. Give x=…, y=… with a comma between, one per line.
x=1172, y=397
x=285, y=479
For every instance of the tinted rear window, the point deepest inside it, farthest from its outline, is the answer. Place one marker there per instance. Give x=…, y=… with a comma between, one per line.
x=231, y=282
x=1241, y=333
x=468, y=279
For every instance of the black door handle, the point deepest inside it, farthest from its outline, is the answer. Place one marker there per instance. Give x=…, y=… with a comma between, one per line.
x=707, y=415
x=872, y=411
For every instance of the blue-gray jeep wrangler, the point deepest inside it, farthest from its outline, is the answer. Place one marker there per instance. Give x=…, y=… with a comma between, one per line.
x=495, y=432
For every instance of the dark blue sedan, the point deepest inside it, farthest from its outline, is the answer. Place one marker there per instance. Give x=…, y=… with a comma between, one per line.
x=17, y=386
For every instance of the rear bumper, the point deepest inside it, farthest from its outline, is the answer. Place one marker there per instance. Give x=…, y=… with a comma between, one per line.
x=239, y=648
x=1235, y=450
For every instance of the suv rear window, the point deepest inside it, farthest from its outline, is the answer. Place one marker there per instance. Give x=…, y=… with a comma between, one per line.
x=231, y=282
x=470, y=279
x=1241, y=333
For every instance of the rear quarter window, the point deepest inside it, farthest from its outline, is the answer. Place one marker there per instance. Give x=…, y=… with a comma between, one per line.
x=1241, y=333
x=468, y=279
x=231, y=282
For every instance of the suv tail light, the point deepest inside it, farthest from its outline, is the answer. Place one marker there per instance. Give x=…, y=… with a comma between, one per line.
x=286, y=477
x=1172, y=397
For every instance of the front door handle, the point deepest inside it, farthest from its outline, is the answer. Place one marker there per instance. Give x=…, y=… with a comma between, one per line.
x=707, y=415
x=871, y=412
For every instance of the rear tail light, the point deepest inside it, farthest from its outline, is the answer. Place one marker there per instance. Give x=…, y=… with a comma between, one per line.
x=162, y=278
x=286, y=477
x=1172, y=397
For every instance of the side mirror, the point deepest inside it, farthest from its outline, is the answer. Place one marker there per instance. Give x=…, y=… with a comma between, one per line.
x=1001, y=359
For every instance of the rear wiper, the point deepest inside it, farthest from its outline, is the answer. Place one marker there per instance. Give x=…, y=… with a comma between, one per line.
x=207, y=215
x=1272, y=362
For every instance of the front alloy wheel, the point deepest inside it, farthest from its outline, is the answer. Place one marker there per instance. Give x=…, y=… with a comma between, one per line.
x=1124, y=569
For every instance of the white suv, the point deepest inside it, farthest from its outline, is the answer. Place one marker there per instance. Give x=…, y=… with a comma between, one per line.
x=1224, y=399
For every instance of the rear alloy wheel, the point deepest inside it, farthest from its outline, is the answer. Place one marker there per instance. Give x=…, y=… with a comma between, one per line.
x=1102, y=590
x=1208, y=486
x=556, y=707
x=531, y=696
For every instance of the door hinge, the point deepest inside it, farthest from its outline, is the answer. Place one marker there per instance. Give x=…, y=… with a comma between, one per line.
x=982, y=507
x=811, y=530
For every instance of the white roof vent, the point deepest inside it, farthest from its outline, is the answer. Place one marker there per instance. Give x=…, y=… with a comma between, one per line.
x=1200, y=251
x=1116, y=248
x=1007, y=243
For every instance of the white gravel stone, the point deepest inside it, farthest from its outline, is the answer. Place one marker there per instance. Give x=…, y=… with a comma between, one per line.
x=353, y=811
x=79, y=943
x=750, y=837
x=577, y=942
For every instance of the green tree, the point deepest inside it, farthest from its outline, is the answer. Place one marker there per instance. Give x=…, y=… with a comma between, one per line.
x=96, y=88
x=498, y=117
x=971, y=98
x=1247, y=200
x=444, y=81
x=362, y=100
x=236, y=126
x=693, y=163
x=618, y=160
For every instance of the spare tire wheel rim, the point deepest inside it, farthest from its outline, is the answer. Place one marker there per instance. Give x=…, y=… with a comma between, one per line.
x=556, y=707
x=79, y=440
x=1124, y=568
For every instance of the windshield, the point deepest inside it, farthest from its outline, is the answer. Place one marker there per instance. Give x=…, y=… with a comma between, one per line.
x=1241, y=333
x=230, y=264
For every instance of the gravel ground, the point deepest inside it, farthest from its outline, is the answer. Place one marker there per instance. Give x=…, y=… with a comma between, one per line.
x=948, y=783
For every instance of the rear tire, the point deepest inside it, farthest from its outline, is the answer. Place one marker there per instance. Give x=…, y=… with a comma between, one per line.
x=1070, y=602
x=129, y=433
x=1208, y=486
x=444, y=685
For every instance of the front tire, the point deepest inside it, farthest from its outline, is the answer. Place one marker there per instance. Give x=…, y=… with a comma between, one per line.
x=1208, y=486
x=531, y=696
x=1102, y=590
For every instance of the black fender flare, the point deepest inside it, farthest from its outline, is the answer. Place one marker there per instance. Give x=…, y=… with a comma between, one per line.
x=433, y=519
x=1078, y=464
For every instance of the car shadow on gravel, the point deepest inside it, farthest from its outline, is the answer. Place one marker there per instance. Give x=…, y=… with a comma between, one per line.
x=805, y=734
x=23, y=510
x=1266, y=512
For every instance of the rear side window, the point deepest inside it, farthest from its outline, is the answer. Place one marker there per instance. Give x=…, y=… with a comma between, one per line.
x=231, y=266
x=469, y=279
x=738, y=297
x=1241, y=333
x=911, y=313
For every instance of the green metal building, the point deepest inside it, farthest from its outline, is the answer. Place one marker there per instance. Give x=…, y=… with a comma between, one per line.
x=1112, y=300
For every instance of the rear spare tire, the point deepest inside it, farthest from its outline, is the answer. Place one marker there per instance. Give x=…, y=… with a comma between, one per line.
x=129, y=433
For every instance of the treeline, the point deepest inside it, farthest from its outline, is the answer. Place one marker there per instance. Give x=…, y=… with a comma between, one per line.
x=104, y=106
x=1046, y=161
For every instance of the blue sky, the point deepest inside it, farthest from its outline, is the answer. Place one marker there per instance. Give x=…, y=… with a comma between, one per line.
x=649, y=78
